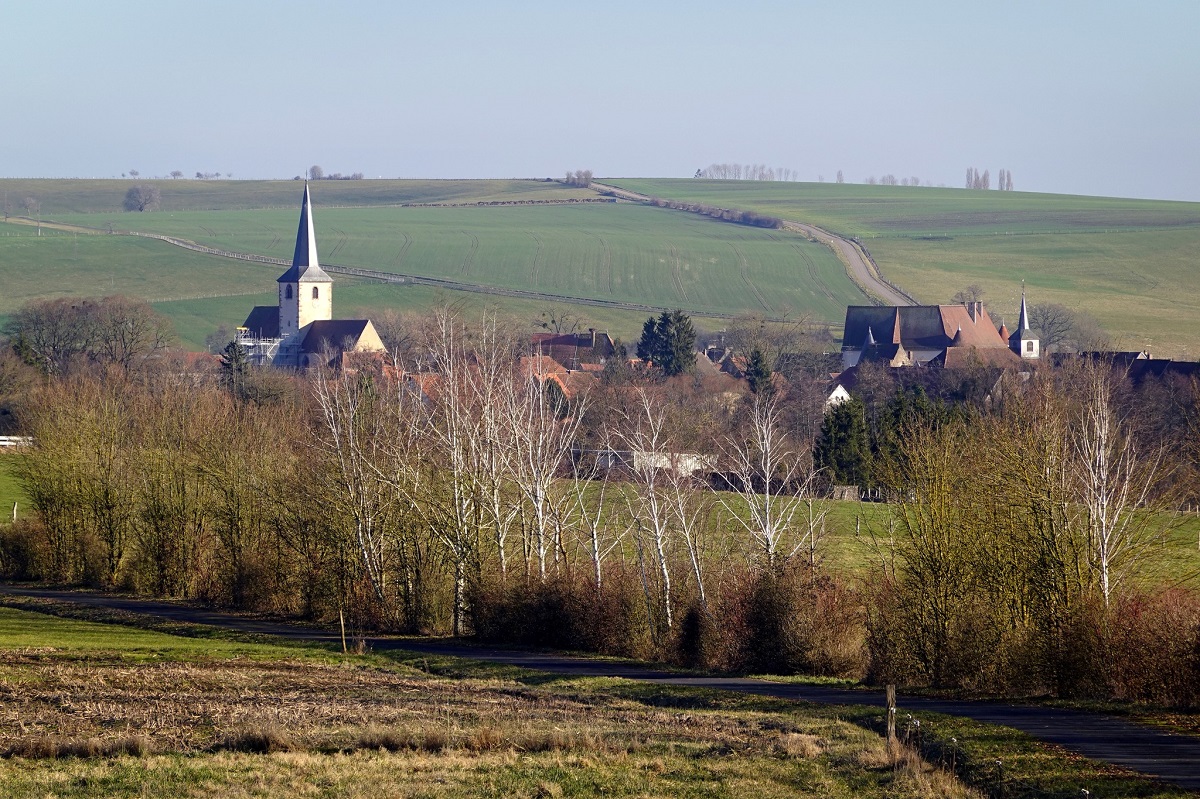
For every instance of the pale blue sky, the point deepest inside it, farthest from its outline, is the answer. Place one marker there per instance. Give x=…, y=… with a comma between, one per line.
x=1078, y=97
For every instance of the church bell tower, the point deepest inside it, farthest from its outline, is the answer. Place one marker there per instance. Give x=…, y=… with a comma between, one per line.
x=305, y=290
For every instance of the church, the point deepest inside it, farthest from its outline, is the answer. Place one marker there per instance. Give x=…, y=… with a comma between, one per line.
x=946, y=336
x=300, y=331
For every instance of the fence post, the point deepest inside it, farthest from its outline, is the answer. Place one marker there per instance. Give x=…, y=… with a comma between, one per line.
x=891, y=721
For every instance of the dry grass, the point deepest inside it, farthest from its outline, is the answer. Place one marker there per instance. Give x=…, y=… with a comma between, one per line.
x=241, y=727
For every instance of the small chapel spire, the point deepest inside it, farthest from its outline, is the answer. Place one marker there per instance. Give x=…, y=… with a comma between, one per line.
x=1023, y=323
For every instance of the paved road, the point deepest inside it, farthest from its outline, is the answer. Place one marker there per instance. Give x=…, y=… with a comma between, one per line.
x=1170, y=757
x=862, y=269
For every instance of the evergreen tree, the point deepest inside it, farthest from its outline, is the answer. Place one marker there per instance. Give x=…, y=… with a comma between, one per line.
x=669, y=342
x=758, y=373
x=235, y=367
x=844, y=448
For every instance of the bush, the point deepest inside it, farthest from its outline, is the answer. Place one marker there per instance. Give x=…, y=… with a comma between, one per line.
x=1154, y=649
x=792, y=620
x=562, y=613
x=22, y=550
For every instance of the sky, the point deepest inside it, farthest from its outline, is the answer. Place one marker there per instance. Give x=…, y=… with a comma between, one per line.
x=1095, y=97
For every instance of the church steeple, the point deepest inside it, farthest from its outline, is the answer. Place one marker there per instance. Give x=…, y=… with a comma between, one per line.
x=305, y=290
x=305, y=265
x=1022, y=341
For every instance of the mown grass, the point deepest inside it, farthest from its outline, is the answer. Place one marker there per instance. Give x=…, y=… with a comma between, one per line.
x=1127, y=262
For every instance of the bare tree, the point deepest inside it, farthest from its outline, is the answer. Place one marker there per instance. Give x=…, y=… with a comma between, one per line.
x=1112, y=484
x=128, y=331
x=773, y=484
x=1053, y=323
x=142, y=197
x=644, y=438
x=971, y=294
x=358, y=440
x=315, y=172
x=176, y=174
x=542, y=435
x=840, y=178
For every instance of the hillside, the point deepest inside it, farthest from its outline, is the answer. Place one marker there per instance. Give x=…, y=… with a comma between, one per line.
x=617, y=253
x=1129, y=263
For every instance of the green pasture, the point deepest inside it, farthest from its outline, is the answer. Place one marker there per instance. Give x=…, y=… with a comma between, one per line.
x=1129, y=263
x=10, y=490
x=904, y=211
x=107, y=196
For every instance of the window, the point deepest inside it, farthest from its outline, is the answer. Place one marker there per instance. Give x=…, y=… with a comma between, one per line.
x=287, y=294
x=316, y=292
x=1029, y=346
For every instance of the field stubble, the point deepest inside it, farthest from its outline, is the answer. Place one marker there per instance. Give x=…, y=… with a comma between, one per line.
x=309, y=724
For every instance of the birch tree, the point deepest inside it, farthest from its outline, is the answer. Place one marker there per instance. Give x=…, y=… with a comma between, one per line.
x=773, y=484
x=1112, y=484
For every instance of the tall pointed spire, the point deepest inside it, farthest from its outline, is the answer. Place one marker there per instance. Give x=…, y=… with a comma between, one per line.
x=305, y=266
x=1023, y=324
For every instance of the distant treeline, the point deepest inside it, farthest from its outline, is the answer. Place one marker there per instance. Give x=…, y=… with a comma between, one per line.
x=747, y=172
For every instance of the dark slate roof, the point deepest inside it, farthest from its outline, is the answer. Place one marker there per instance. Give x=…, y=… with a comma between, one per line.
x=263, y=321
x=305, y=266
x=920, y=327
x=332, y=334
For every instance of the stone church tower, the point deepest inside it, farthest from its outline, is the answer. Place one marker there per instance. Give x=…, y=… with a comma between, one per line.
x=300, y=331
x=305, y=290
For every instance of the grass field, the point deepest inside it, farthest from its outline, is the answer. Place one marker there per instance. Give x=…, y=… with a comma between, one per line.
x=100, y=708
x=104, y=709
x=10, y=490
x=620, y=253
x=107, y=196
x=1130, y=263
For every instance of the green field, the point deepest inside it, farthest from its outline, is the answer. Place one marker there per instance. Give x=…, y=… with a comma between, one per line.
x=10, y=490
x=1130, y=263
x=106, y=196
x=619, y=253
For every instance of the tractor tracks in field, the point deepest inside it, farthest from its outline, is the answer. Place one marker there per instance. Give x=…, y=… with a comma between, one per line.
x=744, y=268
x=537, y=258
x=860, y=266
x=390, y=277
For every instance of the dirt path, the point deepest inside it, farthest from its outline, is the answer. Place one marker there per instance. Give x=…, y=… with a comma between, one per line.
x=1170, y=757
x=859, y=265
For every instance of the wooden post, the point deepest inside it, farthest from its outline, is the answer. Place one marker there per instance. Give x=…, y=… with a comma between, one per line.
x=891, y=720
x=342, y=621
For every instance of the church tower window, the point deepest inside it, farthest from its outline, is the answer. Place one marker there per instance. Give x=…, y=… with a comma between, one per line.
x=316, y=291
x=287, y=293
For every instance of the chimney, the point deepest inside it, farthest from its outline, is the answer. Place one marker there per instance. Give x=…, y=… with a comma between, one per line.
x=592, y=331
